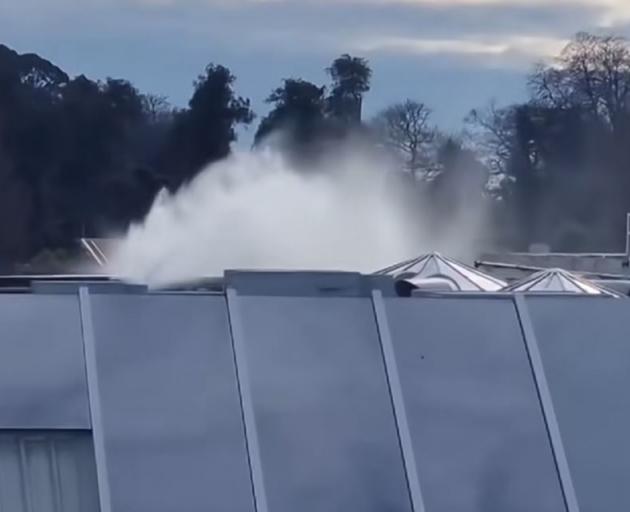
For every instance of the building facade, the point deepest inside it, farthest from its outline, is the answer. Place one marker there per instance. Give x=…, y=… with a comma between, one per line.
x=278, y=392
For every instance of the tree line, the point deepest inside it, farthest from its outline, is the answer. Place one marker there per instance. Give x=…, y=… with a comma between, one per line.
x=80, y=157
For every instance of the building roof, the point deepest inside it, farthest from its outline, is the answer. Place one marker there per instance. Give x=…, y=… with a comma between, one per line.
x=436, y=265
x=209, y=382
x=558, y=281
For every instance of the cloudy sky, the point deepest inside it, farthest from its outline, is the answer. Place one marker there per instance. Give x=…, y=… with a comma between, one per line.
x=451, y=54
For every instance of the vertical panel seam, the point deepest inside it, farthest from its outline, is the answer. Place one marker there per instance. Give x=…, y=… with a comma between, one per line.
x=398, y=402
x=245, y=397
x=546, y=402
x=94, y=399
x=2, y=509
x=27, y=488
x=56, y=478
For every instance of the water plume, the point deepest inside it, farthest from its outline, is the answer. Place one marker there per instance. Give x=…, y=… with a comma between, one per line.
x=255, y=210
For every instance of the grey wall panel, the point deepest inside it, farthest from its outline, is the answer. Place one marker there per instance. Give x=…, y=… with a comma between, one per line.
x=476, y=424
x=171, y=419
x=585, y=349
x=42, y=367
x=324, y=418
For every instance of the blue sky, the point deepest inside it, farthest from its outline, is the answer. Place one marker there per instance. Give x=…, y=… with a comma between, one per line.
x=452, y=54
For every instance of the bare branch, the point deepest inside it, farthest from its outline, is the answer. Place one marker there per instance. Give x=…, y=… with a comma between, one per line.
x=405, y=127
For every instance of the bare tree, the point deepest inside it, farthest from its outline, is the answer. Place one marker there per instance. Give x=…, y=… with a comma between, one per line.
x=156, y=107
x=551, y=87
x=492, y=131
x=405, y=128
x=592, y=73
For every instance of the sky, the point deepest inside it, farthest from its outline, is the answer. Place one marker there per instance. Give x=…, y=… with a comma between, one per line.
x=453, y=55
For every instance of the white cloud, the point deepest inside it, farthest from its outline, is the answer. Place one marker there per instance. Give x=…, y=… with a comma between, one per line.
x=518, y=49
x=616, y=12
x=611, y=12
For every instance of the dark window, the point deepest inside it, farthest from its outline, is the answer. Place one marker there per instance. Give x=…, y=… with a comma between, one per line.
x=44, y=471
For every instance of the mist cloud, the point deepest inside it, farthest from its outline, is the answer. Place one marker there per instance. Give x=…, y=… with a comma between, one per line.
x=256, y=211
